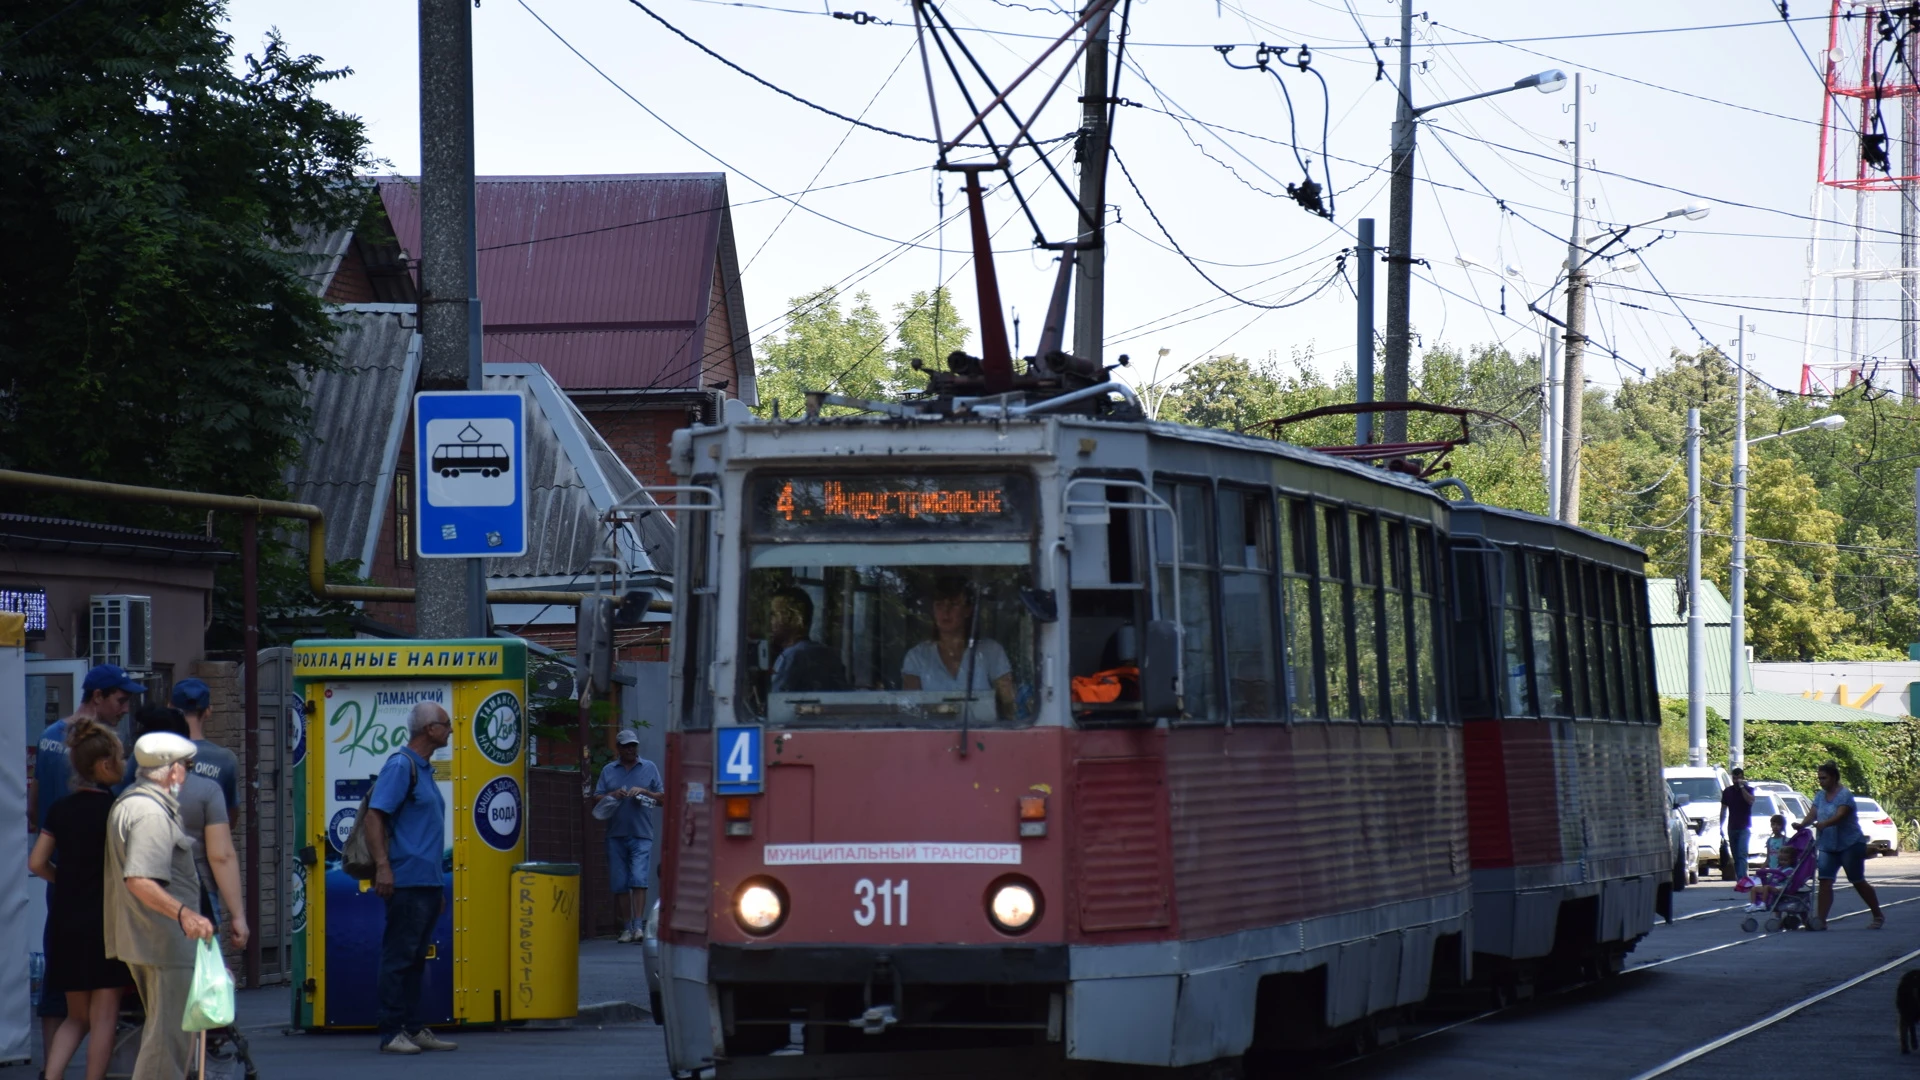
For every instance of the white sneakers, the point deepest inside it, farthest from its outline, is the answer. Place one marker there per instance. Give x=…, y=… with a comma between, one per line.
x=626, y=936
x=423, y=1039
x=399, y=1044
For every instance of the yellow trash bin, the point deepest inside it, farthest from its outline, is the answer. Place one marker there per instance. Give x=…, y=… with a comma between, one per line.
x=545, y=943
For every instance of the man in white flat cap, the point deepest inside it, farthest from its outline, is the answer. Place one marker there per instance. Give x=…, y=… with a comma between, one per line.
x=153, y=921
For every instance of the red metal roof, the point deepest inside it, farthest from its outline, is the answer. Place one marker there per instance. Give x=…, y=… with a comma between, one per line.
x=606, y=281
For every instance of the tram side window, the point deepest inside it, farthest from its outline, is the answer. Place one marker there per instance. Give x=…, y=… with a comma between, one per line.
x=1425, y=666
x=1106, y=609
x=1246, y=604
x=1395, y=577
x=696, y=628
x=1643, y=660
x=1367, y=654
x=1192, y=563
x=1302, y=671
x=1335, y=566
x=1515, y=684
x=1578, y=702
x=1549, y=669
x=1596, y=652
x=1601, y=592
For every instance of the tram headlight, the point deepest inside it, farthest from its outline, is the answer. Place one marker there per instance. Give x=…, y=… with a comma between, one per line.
x=760, y=905
x=1013, y=905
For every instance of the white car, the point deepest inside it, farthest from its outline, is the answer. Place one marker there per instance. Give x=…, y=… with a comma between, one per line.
x=1697, y=789
x=1883, y=836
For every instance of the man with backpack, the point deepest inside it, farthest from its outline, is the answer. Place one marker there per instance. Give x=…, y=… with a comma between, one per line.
x=405, y=834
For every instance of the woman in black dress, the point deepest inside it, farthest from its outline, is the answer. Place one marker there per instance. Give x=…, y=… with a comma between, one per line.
x=77, y=963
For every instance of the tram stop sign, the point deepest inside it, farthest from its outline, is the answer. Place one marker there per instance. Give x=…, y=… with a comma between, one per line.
x=469, y=450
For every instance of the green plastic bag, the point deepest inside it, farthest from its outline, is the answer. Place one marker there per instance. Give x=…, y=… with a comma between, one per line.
x=210, y=996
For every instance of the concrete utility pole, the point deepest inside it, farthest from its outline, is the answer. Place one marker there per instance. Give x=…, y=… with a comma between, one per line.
x=1400, y=240
x=1909, y=241
x=1363, y=250
x=1737, y=578
x=1574, y=380
x=452, y=592
x=1550, y=419
x=1696, y=626
x=1089, y=286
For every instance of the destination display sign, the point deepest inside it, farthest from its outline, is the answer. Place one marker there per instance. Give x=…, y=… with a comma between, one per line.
x=792, y=507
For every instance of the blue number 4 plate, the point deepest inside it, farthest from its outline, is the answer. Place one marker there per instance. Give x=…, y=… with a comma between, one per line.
x=739, y=764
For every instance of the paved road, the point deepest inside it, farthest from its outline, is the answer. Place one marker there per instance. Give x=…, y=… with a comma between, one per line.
x=1694, y=981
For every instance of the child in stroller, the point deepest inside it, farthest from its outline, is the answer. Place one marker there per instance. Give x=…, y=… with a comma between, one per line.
x=1785, y=884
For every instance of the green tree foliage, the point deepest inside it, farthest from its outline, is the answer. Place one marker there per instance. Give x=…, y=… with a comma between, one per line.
x=150, y=330
x=852, y=351
x=929, y=329
x=154, y=328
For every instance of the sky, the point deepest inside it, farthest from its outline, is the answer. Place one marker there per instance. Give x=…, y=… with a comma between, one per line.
x=1715, y=103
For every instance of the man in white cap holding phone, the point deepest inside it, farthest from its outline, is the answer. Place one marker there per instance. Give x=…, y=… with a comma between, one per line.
x=634, y=784
x=154, y=918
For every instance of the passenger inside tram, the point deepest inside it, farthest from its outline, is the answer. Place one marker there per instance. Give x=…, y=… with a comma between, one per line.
x=881, y=637
x=948, y=662
x=800, y=663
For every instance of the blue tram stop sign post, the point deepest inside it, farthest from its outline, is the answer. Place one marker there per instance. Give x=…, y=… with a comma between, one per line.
x=469, y=450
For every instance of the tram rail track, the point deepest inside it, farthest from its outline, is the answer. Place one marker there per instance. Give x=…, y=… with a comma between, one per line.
x=1697, y=1052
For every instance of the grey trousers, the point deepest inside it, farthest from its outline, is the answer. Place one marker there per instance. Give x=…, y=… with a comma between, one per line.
x=166, y=1048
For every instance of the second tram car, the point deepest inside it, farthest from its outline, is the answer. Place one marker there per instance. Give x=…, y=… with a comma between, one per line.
x=1022, y=736
x=1555, y=688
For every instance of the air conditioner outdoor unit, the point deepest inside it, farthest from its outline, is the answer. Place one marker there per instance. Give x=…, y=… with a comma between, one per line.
x=122, y=631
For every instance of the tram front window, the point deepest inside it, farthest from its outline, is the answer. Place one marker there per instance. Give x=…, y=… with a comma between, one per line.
x=893, y=634
x=889, y=601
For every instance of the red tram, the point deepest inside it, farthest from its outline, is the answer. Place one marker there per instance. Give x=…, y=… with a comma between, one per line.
x=1555, y=687
x=1011, y=735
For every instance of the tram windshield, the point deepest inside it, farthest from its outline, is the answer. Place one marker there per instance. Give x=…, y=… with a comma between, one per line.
x=923, y=625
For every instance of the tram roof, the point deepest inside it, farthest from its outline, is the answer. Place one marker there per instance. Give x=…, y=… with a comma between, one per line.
x=1520, y=526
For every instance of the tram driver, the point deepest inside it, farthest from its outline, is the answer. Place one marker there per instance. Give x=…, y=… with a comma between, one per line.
x=800, y=664
x=943, y=664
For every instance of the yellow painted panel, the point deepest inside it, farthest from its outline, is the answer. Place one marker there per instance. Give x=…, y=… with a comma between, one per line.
x=389, y=660
x=489, y=837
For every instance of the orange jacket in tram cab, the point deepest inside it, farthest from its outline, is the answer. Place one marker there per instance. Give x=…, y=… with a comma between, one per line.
x=1103, y=687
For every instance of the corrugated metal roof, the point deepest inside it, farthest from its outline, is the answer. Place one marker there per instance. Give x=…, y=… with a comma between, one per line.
x=573, y=477
x=345, y=463
x=1670, y=661
x=1664, y=606
x=1786, y=708
x=360, y=413
x=606, y=281
x=320, y=254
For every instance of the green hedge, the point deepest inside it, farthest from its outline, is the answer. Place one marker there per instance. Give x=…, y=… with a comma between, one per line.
x=1880, y=760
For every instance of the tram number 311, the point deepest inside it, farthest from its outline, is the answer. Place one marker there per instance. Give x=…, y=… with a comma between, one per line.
x=887, y=892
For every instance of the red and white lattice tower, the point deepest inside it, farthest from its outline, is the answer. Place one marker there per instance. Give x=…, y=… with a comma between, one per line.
x=1869, y=147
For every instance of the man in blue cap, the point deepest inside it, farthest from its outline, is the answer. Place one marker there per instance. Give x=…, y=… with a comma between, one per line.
x=105, y=694
x=194, y=699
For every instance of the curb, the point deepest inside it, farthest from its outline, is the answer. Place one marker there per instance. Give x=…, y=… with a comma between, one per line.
x=611, y=1012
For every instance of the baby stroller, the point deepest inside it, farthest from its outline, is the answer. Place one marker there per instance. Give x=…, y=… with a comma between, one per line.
x=1792, y=901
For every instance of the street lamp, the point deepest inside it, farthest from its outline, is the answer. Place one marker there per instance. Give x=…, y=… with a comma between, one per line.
x=1400, y=222
x=1737, y=576
x=1563, y=497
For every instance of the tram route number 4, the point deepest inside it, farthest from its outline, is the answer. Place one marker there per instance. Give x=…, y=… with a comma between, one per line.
x=887, y=892
x=740, y=767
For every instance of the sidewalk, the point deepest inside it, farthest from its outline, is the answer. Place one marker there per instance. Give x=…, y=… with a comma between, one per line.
x=612, y=976
x=617, y=1039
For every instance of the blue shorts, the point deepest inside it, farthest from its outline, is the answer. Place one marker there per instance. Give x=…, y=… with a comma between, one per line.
x=629, y=862
x=1853, y=858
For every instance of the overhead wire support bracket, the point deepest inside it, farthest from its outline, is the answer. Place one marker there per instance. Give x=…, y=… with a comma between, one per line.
x=1308, y=191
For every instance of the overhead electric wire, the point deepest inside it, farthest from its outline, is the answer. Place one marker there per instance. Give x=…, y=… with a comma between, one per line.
x=1589, y=68
x=690, y=140
x=1148, y=207
x=784, y=92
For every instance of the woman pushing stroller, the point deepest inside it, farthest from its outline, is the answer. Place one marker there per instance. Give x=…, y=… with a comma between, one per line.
x=1842, y=846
